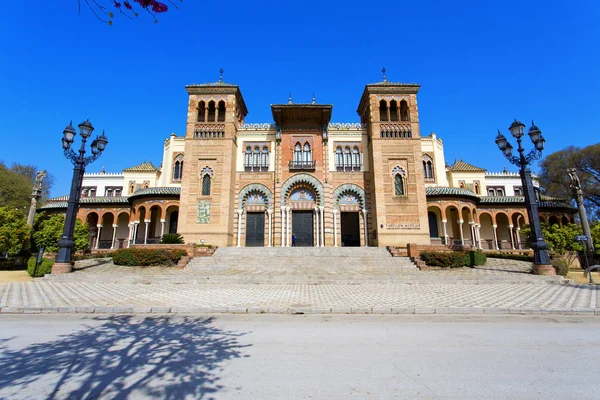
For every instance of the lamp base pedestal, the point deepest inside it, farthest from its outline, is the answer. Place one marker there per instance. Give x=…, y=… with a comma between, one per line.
x=61, y=268
x=541, y=269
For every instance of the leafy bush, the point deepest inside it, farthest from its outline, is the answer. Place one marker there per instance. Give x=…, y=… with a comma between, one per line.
x=561, y=267
x=449, y=259
x=172, y=238
x=48, y=230
x=478, y=258
x=510, y=256
x=44, y=268
x=13, y=230
x=147, y=257
x=453, y=259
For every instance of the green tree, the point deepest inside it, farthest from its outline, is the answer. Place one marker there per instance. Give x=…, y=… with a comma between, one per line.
x=15, y=189
x=13, y=230
x=555, y=181
x=48, y=230
x=560, y=239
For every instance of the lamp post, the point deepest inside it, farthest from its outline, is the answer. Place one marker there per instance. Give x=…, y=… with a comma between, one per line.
x=80, y=161
x=541, y=260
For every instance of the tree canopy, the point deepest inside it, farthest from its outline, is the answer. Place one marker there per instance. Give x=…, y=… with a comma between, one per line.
x=555, y=181
x=13, y=230
x=16, y=184
x=48, y=230
x=105, y=10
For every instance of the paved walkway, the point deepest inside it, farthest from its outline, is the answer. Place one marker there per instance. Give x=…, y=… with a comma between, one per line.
x=87, y=297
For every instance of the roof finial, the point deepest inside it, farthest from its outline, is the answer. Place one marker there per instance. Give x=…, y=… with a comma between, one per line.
x=221, y=75
x=314, y=101
x=384, y=77
x=290, y=99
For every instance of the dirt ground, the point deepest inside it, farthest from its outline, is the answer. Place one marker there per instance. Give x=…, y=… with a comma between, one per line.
x=14, y=276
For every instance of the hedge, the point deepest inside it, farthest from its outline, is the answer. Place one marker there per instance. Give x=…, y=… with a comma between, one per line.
x=147, y=257
x=510, y=256
x=453, y=259
x=44, y=268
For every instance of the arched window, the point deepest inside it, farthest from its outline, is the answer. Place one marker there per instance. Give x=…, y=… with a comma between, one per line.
x=383, y=111
x=399, y=181
x=178, y=168
x=307, y=153
x=347, y=159
x=393, y=110
x=248, y=159
x=404, y=115
x=211, y=111
x=265, y=159
x=427, y=167
x=339, y=159
x=206, y=185
x=201, y=110
x=476, y=187
x=297, y=153
x=355, y=159
x=221, y=111
x=399, y=185
x=256, y=159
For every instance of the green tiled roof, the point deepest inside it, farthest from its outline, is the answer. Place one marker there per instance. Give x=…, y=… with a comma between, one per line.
x=448, y=191
x=157, y=191
x=143, y=167
x=387, y=83
x=461, y=166
x=60, y=202
x=220, y=83
x=502, y=199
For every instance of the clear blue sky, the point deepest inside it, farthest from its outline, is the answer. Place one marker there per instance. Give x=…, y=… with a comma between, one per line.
x=480, y=63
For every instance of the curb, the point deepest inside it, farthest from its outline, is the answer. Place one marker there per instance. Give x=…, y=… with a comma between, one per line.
x=298, y=310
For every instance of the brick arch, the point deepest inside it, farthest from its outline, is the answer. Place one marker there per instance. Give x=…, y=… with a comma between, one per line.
x=349, y=188
x=306, y=179
x=255, y=187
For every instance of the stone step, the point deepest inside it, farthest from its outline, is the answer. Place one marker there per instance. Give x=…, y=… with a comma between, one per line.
x=417, y=278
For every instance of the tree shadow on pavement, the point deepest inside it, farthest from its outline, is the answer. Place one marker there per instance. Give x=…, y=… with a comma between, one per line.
x=159, y=357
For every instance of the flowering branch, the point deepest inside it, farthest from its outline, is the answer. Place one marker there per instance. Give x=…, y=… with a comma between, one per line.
x=125, y=8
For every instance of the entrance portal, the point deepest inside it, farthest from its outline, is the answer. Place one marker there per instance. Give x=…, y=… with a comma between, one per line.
x=255, y=229
x=350, y=229
x=302, y=226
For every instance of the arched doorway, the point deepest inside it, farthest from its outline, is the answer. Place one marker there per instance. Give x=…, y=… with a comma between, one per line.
x=302, y=202
x=433, y=225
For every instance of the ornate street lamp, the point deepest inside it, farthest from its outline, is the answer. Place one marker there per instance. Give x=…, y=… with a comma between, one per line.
x=541, y=261
x=80, y=161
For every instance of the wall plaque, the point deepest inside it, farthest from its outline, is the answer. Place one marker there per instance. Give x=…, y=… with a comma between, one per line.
x=203, y=212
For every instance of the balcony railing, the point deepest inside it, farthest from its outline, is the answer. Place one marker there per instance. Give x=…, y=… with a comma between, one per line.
x=306, y=165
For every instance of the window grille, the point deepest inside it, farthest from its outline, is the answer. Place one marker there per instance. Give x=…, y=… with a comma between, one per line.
x=399, y=185
x=206, y=185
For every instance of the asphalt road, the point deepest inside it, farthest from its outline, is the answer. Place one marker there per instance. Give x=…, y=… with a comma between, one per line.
x=287, y=357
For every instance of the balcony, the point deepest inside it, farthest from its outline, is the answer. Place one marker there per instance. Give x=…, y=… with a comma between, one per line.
x=302, y=165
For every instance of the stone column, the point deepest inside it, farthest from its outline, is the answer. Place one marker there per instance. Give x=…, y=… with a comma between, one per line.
x=162, y=227
x=478, y=235
x=282, y=226
x=288, y=237
x=462, y=236
x=366, y=230
x=239, y=232
x=518, y=233
x=115, y=226
x=444, y=222
x=129, y=234
x=472, y=231
x=136, y=226
x=98, y=236
x=322, y=209
x=335, y=212
x=317, y=227
x=512, y=239
x=494, y=227
x=147, y=222
x=270, y=215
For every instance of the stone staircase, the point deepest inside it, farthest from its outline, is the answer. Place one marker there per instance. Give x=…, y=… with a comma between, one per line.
x=303, y=265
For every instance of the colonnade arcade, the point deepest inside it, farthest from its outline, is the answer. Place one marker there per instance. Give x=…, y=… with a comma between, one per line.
x=145, y=223
x=456, y=223
x=301, y=214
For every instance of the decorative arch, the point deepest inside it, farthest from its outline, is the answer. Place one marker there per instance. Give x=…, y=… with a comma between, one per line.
x=349, y=188
x=310, y=180
x=254, y=187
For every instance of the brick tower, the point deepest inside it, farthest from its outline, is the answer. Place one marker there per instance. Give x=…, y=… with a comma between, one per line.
x=398, y=209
